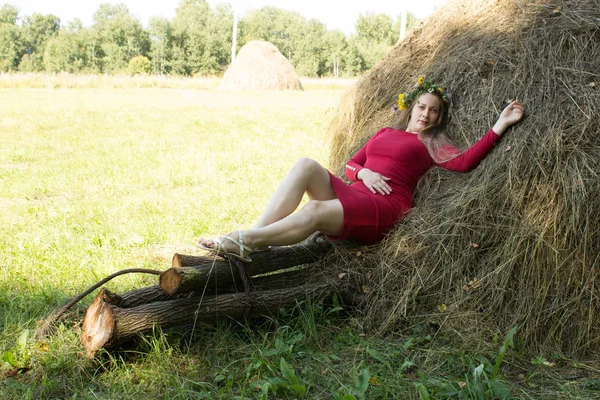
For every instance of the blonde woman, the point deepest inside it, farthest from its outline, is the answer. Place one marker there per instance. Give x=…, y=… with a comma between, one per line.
x=383, y=173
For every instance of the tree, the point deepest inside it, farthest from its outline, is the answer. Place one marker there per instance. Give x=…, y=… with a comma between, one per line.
x=376, y=28
x=375, y=37
x=222, y=30
x=193, y=42
x=310, y=53
x=73, y=50
x=335, y=48
x=35, y=33
x=354, y=60
x=161, y=43
x=121, y=36
x=10, y=39
x=9, y=14
x=279, y=27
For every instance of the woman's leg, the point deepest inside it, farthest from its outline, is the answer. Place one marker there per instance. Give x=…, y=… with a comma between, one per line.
x=326, y=216
x=306, y=176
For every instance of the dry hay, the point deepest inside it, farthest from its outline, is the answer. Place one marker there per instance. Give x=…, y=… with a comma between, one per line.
x=260, y=66
x=516, y=241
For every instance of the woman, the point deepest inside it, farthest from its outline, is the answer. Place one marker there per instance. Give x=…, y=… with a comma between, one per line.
x=384, y=172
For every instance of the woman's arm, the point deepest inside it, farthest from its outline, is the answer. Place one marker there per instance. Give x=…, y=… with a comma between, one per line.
x=358, y=160
x=356, y=171
x=474, y=154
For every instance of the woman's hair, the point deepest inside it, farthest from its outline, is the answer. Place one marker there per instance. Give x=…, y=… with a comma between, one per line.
x=435, y=137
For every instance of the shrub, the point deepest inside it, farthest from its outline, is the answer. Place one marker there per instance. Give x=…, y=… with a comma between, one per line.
x=140, y=65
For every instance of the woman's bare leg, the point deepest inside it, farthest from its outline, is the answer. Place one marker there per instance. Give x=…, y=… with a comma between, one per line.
x=324, y=216
x=306, y=176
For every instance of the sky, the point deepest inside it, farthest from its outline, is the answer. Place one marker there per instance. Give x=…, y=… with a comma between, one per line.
x=340, y=15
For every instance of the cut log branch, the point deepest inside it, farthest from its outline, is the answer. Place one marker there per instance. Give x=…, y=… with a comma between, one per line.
x=46, y=325
x=191, y=273
x=107, y=325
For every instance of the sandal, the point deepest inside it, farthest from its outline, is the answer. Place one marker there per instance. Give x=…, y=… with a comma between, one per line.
x=220, y=250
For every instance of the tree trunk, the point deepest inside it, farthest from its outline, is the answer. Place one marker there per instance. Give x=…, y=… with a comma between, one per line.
x=308, y=251
x=107, y=325
x=151, y=294
x=141, y=296
x=192, y=273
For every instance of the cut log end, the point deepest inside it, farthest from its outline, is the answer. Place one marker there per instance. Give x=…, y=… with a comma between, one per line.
x=176, y=262
x=170, y=281
x=99, y=323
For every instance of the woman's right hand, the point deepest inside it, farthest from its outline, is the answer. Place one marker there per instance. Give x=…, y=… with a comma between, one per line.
x=509, y=116
x=374, y=181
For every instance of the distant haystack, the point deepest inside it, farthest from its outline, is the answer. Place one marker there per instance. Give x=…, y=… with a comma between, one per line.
x=260, y=66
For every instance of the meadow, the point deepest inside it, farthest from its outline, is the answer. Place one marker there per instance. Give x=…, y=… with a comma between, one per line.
x=101, y=174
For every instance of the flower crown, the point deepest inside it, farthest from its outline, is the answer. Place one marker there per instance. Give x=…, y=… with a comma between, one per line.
x=422, y=86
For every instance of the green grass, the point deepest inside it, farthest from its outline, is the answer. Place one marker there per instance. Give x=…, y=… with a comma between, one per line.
x=94, y=180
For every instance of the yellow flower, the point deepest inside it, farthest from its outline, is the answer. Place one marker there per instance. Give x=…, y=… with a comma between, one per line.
x=401, y=102
x=420, y=81
x=439, y=89
x=374, y=381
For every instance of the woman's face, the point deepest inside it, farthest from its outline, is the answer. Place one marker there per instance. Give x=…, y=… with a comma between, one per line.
x=427, y=111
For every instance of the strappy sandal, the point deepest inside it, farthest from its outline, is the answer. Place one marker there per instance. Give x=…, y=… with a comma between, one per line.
x=219, y=248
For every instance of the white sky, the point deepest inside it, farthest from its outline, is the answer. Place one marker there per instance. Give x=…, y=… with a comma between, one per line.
x=340, y=15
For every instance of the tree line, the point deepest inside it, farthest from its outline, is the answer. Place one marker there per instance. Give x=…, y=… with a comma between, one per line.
x=197, y=41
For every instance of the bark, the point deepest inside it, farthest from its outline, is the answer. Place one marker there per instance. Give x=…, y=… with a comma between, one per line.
x=151, y=294
x=192, y=273
x=107, y=325
x=141, y=296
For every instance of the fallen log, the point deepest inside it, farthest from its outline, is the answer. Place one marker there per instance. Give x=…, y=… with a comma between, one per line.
x=106, y=324
x=192, y=273
x=151, y=294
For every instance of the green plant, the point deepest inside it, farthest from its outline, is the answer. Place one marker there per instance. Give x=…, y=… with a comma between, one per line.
x=19, y=356
x=358, y=390
x=139, y=65
x=484, y=382
x=287, y=382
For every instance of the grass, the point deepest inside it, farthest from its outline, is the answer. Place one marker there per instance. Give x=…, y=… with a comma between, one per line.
x=95, y=179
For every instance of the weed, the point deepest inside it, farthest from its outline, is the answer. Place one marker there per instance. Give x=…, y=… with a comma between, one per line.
x=484, y=382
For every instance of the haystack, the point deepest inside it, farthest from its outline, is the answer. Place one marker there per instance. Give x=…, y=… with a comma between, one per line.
x=260, y=66
x=516, y=241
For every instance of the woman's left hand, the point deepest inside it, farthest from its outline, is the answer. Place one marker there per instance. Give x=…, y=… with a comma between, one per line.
x=510, y=115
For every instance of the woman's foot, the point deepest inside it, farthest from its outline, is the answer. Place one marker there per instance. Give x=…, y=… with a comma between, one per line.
x=230, y=245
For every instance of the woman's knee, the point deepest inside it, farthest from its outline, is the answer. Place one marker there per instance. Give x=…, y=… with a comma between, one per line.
x=313, y=211
x=306, y=166
x=322, y=214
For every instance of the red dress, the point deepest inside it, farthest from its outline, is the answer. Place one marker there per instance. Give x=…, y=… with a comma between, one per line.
x=402, y=157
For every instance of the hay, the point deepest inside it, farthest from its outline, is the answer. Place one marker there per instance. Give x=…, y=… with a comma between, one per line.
x=260, y=66
x=517, y=241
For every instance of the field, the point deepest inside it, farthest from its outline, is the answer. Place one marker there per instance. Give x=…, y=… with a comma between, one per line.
x=99, y=175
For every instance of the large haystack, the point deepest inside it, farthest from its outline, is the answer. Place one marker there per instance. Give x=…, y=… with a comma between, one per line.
x=260, y=66
x=517, y=241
